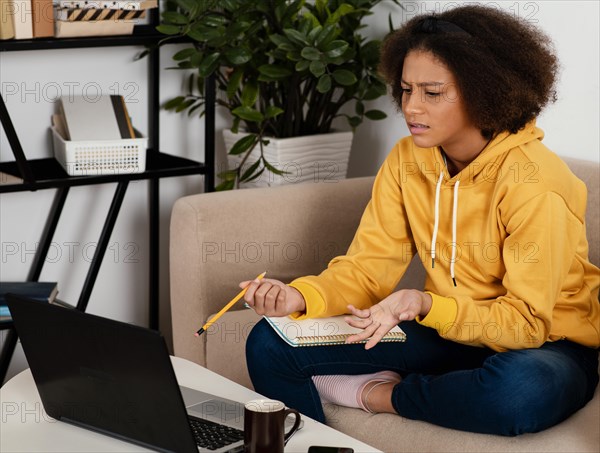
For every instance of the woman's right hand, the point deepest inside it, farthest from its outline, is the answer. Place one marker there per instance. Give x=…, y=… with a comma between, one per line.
x=273, y=298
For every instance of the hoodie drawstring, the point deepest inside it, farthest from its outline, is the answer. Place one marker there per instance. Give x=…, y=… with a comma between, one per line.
x=437, y=222
x=454, y=245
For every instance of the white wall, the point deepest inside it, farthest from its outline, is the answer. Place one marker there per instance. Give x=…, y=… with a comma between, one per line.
x=30, y=82
x=570, y=125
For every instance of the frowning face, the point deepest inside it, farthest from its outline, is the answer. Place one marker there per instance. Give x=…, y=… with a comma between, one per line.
x=434, y=111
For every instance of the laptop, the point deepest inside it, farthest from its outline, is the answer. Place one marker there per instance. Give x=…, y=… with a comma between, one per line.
x=117, y=379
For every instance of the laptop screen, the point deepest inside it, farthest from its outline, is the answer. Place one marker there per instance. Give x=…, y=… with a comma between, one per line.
x=104, y=375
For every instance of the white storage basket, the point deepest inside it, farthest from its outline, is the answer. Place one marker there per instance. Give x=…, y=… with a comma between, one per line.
x=100, y=157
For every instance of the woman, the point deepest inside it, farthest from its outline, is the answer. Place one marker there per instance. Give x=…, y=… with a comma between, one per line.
x=503, y=338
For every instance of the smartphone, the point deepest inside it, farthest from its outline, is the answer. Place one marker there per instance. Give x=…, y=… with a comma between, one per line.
x=318, y=449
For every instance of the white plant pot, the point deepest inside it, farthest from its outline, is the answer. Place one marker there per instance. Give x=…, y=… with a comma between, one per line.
x=319, y=158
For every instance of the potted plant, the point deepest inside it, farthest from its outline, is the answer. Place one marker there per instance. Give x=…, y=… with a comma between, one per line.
x=283, y=68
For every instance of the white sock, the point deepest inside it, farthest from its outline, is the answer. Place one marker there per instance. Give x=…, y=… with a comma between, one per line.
x=346, y=390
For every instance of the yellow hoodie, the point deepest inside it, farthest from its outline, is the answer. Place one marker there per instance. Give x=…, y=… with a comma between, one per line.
x=503, y=243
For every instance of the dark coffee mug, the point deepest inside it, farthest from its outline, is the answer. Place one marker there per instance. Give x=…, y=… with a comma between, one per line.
x=264, y=425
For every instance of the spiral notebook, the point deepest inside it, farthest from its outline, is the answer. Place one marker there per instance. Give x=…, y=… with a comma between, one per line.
x=321, y=331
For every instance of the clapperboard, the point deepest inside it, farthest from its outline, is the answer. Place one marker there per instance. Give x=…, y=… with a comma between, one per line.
x=78, y=14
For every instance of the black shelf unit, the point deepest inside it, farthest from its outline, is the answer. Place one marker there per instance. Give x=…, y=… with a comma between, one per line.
x=47, y=173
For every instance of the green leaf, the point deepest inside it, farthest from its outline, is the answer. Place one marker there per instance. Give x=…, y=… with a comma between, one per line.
x=243, y=144
x=274, y=71
x=228, y=175
x=359, y=108
x=173, y=103
x=344, y=77
x=303, y=65
x=225, y=185
x=169, y=29
x=185, y=54
x=238, y=56
x=370, y=53
x=310, y=53
x=296, y=37
x=248, y=114
x=375, y=115
x=324, y=84
x=314, y=33
x=184, y=65
x=249, y=94
x=235, y=126
x=214, y=20
x=196, y=59
x=272, y=111
x=287, y=47
x=209, y=64
x=173, y=17
x=250, y=171
x=187, y=5
x=235, y=30
x=184, y=105
x=257, y=175
x=321, y=6
x=354, y=121
x=202, y=33
x=294, y=56
x=279, y=40
x=374, y=92
x=327, y=35
x=317, y=68
x=235, y=78
x=344, y=9
x=336, y=48
x=273, y=169
x=313, y=20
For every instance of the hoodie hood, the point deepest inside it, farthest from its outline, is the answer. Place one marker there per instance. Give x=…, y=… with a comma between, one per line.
x=484, y=166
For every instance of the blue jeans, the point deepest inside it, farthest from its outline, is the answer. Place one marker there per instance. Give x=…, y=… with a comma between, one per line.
x=445, y=383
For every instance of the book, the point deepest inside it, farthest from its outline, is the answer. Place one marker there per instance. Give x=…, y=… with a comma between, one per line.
x=43, y=18
x=321, y=331
x=122, y=115
x=7, y=29
x=22, y=18
x=101, y=118
x=7, y=178
x=41, y=291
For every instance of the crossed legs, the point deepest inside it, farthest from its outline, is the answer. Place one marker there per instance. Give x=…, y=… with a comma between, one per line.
x=445, y=383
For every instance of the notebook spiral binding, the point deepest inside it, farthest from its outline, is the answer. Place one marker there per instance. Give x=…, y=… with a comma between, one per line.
x=341, y=339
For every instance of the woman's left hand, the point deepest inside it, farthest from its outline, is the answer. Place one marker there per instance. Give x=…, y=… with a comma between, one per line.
x=403, y=305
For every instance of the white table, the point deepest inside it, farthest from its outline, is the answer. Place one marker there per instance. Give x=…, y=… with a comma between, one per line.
x=25, y=426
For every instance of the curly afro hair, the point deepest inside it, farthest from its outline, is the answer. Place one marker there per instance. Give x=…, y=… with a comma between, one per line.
x=505, y=68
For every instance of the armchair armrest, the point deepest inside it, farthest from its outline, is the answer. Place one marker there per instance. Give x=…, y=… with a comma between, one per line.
x=219, y=239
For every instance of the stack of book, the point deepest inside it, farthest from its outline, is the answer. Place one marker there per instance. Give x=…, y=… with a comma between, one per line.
x=41, y=291
x=26, y=19
x=96, y=137
x=101, y=118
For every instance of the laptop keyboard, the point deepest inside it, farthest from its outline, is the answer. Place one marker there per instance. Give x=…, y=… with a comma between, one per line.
x=212, y=435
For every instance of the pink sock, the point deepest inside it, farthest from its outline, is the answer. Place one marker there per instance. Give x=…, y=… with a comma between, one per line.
x=346, y=390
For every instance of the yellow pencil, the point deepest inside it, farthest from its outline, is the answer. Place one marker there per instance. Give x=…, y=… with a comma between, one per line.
x=225, y=308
